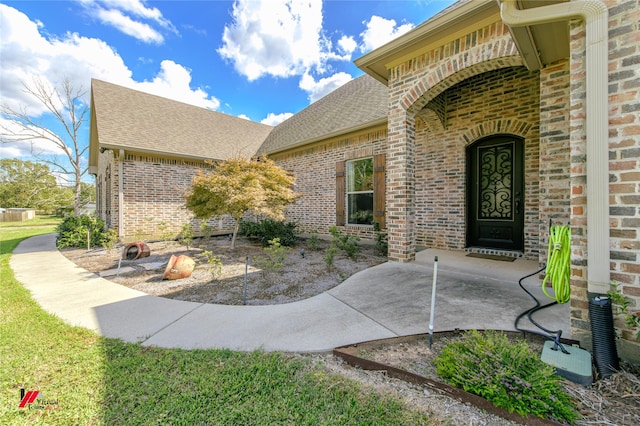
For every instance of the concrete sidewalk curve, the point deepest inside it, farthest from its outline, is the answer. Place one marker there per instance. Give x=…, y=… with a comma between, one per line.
x=388, y=300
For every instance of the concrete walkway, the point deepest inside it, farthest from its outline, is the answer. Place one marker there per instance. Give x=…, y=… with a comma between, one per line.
x=388, y=300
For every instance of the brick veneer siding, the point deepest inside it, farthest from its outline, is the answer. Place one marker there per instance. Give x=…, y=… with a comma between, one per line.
x=153, y=195
x=427, y=81
x=555, y=155
x=624, y=163
x=504, y=101
x=314, y=169
x=412, y=85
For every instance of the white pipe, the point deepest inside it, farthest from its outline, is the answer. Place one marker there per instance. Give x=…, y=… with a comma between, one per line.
x=595, y=15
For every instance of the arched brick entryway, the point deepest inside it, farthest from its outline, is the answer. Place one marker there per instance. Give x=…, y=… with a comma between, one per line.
x=412, y=86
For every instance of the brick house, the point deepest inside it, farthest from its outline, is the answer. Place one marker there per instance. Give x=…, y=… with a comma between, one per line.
x=474, y=131
x=144, y=150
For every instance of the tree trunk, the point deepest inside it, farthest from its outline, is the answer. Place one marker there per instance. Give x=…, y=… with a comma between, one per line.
x=235, y=233
x=76, y=200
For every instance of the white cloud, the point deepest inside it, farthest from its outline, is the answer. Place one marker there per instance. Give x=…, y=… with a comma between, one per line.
x=319, y=88
x=380, y=31
x=173, y=82
x=280, y=39
x=139, y=30
x=127, y=16
x=275, y=119
x=347, y=45
x=26, y=54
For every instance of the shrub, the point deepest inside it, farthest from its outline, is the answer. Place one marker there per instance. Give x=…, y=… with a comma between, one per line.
x=186, y=235
x=382, y=243
x=276, y=254
x=72, y=232
x=346, y=243
x=269, y=229
x=620, y=304
x=165, y=232
x=214, y=264
x=205, y=230
x=110, y=239
x=329, y=255
x=508, y=374
x=313, y=242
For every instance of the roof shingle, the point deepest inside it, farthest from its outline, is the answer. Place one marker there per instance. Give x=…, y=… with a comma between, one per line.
x=353, y=105
x=129, y=119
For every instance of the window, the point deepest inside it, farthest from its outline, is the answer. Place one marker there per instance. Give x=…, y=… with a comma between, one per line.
x=360, y=191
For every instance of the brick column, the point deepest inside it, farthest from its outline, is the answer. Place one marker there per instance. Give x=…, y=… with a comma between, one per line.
x=401, y=185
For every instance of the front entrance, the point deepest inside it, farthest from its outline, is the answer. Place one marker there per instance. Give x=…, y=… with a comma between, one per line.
x=495, y=214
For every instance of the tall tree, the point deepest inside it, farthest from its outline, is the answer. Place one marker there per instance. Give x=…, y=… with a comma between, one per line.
x=239, y=185
x=67, y=106
x=25, y=184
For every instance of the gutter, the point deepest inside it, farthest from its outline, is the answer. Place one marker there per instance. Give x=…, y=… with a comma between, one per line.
x=595, y=15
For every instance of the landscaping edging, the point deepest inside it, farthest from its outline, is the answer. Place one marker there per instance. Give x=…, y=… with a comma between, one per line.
x=347, y=354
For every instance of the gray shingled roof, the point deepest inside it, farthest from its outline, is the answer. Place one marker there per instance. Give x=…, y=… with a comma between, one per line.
x=137, y=121
x=357, y=103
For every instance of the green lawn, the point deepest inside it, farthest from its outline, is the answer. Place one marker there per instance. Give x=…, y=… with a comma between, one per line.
x=38, y=221
x=88, y=379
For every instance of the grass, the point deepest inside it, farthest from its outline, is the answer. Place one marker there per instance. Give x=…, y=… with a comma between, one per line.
x=89, y=379
x=38, y=221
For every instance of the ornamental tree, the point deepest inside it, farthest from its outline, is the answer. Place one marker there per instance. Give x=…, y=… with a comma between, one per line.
x=239, y=185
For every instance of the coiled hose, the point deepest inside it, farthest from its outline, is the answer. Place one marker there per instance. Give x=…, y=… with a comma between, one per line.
x=558, y=271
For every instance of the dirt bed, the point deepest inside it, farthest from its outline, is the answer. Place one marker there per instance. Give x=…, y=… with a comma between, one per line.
x=303, y=276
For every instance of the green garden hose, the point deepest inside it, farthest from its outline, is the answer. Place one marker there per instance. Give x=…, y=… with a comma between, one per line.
x=558, y=271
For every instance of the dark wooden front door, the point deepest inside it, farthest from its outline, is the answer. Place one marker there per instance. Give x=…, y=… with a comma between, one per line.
x=496, y=193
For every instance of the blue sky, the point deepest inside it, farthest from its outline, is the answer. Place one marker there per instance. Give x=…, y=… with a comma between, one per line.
x=258, y=59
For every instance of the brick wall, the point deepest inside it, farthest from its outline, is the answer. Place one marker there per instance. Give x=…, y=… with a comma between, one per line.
x=624, y=163
x=504, y=101
x=624, y=152
x=315, y=171
x=412, y=85
x=153, y=195
x=555, y=181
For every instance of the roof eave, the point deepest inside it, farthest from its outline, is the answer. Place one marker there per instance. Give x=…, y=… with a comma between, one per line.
x=156, y=152
x=340, y=132
x=374, y=62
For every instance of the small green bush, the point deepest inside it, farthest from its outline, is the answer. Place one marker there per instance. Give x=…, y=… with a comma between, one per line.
x=110, y=239
x=329, y=256
x=214, y=264
x=205, y=230
x=72, y=231
x=269, y=229
x=508, y=374
x=165, y=232
x=382, y=240
x=346, y=243
x=313, y=242
x=276, y=255
x=186, y=235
